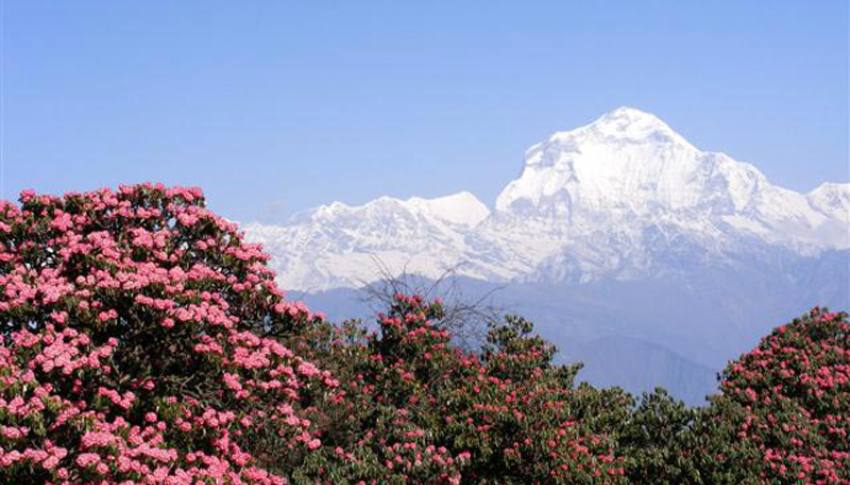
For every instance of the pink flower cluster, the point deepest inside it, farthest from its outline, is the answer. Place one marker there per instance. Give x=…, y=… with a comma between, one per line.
x=795, y=388
x=134, y=345
x=498, y=412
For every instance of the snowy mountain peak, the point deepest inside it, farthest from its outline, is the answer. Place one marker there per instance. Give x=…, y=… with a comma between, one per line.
x=633, y=114
x=461, y=208
x=832, y=199
x=625, y=159
x=634, y=124
x=622, y=125
x=618, y=198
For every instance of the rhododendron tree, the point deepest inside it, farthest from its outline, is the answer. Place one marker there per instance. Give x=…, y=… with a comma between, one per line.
x=657, y=438
x=144, y=341
x=423, y=410
x=783, y=413
x=136, y=345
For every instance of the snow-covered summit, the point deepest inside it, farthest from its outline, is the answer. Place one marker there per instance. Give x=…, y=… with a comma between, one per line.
x=615, y=198
x=629, y=124
x=339, y=245
x=832, y=199
x=461, y=208
x=627, y=160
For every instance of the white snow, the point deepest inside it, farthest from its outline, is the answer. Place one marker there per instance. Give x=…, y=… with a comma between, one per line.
x=461, y=208
x=832, y=199
x=613, y=198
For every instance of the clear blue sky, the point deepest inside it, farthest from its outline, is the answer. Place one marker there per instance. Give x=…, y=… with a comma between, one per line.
x=273, y=107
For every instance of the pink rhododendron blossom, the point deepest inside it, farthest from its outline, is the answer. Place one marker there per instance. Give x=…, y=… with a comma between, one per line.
x=146, y=294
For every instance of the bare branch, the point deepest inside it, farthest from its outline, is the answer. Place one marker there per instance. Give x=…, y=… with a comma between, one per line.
x=464, y=317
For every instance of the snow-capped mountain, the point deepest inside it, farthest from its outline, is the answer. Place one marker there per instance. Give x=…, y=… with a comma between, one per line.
x=338, y=245
x=624, y=197
x=632, y=250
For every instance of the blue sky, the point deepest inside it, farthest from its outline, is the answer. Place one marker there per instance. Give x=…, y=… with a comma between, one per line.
x=273, y=107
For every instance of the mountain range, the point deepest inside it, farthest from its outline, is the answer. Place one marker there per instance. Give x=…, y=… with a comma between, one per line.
x=647, y=258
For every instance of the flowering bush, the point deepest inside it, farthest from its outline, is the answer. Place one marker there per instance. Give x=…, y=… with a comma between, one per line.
x=783, y=414
x=423, y=410
x=135, y=345
x=143, y=341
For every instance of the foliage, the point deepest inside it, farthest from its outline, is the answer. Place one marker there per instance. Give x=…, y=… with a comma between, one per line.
x=143, y=340
x=783, y=414
x=132, y=345
x=658, y=441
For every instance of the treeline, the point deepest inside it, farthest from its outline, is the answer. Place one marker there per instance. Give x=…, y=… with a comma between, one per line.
x=144, y=341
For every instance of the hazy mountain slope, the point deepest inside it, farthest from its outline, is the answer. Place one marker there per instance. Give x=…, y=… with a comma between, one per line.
x=640, y=366
x=674, y=331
